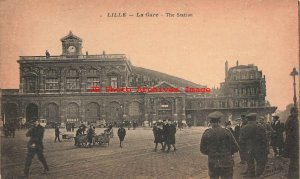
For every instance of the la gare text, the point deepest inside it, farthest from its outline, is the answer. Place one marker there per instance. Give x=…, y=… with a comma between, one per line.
x=110, y=89
x=148, y=14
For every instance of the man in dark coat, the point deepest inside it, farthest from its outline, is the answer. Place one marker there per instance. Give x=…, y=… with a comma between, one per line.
x=90, y=135
x=171, y=131
x=164, y=134
x=35, y=146
x=121, y=134
x=78, y=132
x=253, y=138
x=57, y=133
x=157, y=132
x=219, y=144
x=277, y=140
x=291, y=147
x=237, y=131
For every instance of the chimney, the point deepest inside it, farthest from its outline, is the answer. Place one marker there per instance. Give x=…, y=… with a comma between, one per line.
x=226, y=69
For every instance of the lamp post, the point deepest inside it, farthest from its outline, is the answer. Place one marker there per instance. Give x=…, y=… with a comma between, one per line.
x=294, y=73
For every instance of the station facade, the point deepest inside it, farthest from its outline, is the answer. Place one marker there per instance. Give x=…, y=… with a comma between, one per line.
x=62, y=89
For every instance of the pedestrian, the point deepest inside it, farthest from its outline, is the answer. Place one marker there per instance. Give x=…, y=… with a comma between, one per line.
x=277, y=140
x=242, y=151
x=12, y=129
x=129, y=124
x=291, y=146
x=121, y=134
x=83, y=128
x=268, y=129
x=219, y=144
x=134, y=125
x=253, y=138
x=157, y=132
x=78, y=132
x=73, y=126
x=228, y=126
x=67, y=126
x=90, y=135
x=57, y=134
x=35, y=146
x=170, y=140
x=164, y=134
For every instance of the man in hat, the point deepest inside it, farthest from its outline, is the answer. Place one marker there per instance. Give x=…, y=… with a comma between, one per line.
x=277, y=140
x=267, y=126
x=291, y=148
x=219, y=144
x=253, y=138
x=121, y=134
x=237, y=129
x=35, y=146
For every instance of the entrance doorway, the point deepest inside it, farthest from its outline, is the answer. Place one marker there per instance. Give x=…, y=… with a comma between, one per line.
x=31, y=112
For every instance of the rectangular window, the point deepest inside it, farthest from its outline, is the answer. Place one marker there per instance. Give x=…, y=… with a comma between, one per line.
x=52, y=84
x=93, y=72
x=244, y=91
x=236, y=91
x=252, y=91
x=236, y=103
x=114, y=82
x=72, y=83
x=92, y=82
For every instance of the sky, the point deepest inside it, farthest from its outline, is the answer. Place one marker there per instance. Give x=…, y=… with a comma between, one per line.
x=260, y=32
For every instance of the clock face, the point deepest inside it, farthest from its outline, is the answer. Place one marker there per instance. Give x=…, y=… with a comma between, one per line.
x=72, y=49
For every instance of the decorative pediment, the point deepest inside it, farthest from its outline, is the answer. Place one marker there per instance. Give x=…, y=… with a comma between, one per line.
x=165, y=84
x=113, y=70
x=71, y=37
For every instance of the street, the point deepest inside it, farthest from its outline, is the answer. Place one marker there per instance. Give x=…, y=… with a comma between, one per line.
x=136, y=159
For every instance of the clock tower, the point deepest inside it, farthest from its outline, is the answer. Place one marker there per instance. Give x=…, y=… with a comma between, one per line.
x=71, y=45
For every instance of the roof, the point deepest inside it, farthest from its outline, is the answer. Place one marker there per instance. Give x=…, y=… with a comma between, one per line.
x=179, y=82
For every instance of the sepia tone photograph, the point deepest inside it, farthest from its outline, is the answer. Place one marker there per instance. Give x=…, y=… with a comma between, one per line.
x=141, y=89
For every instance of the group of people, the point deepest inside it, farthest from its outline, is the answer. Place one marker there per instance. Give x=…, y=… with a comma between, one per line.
x=129, y=124
x=251, y=138
x=9, y=129
x=164, y=134
x=70, y=126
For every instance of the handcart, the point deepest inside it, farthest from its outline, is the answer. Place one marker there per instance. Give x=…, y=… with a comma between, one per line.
x=81, y=140
x=103, y=138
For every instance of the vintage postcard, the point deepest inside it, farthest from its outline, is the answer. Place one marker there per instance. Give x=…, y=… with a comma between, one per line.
x=149, y=89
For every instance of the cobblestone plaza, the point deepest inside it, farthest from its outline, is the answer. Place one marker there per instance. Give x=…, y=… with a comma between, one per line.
x=136, y=160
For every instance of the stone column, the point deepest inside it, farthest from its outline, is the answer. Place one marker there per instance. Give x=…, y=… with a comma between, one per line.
x=21, y=86
x=183, y=109
x=42, y=83
x=62, y=111
x=82, y=81
x=82, y=111
x=175, y=118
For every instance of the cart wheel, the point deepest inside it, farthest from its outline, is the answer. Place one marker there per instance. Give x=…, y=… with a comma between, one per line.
x=84, y=144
